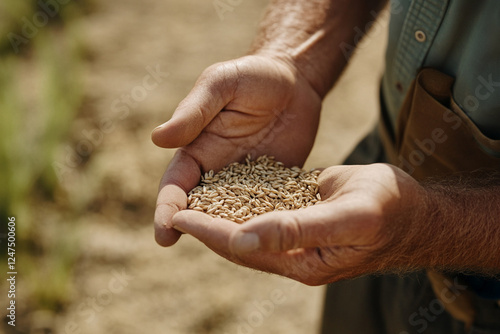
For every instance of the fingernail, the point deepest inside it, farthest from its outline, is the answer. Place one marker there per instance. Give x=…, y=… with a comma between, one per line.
x=246, y=242
x=179, y=229
x=159, y=126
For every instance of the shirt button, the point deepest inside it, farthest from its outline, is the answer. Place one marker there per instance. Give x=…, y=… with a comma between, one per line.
x=420, y=36
x=399, y=87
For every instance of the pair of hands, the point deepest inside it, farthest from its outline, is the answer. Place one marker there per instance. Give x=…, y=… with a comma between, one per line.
x=263, y=105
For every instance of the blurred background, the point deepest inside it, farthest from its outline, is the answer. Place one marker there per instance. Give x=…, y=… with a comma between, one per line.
x=82, y=84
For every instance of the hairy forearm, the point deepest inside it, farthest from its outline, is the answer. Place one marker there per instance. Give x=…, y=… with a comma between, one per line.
x=459, y=227
x=311, y=33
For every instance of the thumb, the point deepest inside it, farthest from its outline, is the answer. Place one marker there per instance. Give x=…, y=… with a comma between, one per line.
x=211, y=93
x=322, y=225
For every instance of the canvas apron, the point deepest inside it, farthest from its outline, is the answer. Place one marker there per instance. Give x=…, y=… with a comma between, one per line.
x=433, y=138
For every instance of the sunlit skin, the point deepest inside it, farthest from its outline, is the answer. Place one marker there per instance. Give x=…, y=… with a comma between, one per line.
x=234, y=109
x=333, y=240
x=373, y=218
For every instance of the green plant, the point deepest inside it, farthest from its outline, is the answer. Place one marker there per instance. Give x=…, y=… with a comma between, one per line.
x=40, y=94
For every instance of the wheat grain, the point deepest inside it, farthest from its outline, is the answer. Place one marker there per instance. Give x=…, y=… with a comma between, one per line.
x=241, y=191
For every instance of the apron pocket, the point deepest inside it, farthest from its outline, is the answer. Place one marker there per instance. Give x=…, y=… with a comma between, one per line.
x=434, y=137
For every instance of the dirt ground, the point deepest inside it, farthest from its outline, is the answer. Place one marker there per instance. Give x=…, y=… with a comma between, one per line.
x=124, y=282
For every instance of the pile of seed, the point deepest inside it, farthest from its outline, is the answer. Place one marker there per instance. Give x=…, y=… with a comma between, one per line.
x=241, y=191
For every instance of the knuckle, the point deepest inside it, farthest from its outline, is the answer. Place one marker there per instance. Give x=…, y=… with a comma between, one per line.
x=219, y=72
x=289, y=233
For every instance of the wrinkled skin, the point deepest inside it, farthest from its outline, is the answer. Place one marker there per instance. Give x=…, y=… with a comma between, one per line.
x=252, y=105
x=345, y=236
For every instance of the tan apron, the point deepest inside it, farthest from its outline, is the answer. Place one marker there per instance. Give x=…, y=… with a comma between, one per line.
x=435, y=138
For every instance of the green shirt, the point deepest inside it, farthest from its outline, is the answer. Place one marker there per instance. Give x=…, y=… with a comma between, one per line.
x=462, y=39
x=458, y=37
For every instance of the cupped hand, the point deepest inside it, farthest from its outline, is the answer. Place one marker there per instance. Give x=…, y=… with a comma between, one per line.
x=252, y=105
x=355, y=230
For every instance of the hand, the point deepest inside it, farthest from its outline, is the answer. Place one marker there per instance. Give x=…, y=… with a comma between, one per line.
x=365, y=212
x=256, y=104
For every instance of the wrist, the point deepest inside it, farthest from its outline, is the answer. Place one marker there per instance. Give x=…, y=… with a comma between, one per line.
x=410, y=232
x=300, y=72
x=309, y=35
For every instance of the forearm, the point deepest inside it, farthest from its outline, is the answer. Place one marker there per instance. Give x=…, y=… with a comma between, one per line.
x=313, y=35
x=458, y=229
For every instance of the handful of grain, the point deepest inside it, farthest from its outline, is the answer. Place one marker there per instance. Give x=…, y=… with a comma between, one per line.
x=241, y=191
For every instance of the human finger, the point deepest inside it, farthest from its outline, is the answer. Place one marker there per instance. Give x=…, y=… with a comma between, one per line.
x=216, y=234
x=182, y=174
x=211, y=93
x=336, y=223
